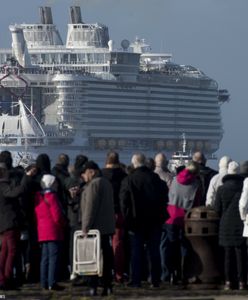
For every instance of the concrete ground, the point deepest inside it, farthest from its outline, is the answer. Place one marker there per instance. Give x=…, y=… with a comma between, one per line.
x=196, y=292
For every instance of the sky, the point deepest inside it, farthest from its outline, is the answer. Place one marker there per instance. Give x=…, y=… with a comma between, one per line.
x=208, y=34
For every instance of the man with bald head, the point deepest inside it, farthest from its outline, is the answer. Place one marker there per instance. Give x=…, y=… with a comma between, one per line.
x=199, y=157
x=144, y=198
x=205, y=175
x=161, y=169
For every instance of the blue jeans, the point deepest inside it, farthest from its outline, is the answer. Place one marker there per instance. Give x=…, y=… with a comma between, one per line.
x=137, y=241
x=173, y=248
x=165, y=255
x=49, y=263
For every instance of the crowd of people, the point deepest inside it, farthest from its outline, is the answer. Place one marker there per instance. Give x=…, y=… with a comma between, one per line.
x=138, y=209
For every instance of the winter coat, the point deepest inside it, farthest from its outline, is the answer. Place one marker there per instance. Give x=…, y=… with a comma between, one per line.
x=215, y=182
x=144, y=198
x=97, y=206
x=115, y=176
x=61, y=173
x=10, y=210
x=243, y=207
x=227, y=205
x=73, y=204
x=206, y=174
x=183, y=195
x=164, y=175
x=49, y=216
x=243, y=202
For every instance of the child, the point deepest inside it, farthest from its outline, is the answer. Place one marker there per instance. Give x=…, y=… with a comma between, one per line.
x=50, y=225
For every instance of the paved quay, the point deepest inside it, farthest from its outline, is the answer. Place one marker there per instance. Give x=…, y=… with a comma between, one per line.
x=196, y=292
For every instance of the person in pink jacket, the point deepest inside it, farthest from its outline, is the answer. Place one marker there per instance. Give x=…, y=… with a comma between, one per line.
x=50, y=226
x=184, y=194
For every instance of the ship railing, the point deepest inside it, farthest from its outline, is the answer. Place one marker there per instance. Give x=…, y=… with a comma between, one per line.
x=60, y=134
x=175, y=80
x=72, y=64
x=22, y=141
x=9, y=141
x=171, y=72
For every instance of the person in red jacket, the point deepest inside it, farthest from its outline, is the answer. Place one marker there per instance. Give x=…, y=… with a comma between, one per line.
x=50, y=225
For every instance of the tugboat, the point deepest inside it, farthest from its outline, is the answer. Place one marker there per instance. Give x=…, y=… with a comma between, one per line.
x=180, y=158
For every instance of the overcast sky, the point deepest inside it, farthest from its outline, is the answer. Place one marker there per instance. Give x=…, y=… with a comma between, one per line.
x=208, y=34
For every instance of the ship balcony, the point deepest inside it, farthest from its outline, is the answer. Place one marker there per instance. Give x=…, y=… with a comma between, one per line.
x=223, y=96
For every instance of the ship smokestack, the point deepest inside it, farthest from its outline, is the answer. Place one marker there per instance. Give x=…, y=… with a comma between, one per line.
x=19, y=46
x=76, y=17
x=46, y=15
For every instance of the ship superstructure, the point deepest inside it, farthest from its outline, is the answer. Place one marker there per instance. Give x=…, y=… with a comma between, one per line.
x=89, y=96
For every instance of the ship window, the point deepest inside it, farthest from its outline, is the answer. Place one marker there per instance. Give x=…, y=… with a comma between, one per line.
x=73, y=57
x=65, y=58
x=89, y=57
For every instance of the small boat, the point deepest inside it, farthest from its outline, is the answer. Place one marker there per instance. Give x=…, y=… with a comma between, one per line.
x=180, y=158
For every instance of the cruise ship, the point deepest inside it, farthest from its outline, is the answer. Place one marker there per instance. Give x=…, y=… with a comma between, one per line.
x=91, y=96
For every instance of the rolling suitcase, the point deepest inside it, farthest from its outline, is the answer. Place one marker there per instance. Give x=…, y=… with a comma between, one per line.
x=87, y=256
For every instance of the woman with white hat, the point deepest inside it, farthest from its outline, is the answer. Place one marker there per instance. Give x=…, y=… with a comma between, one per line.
x=50, y=224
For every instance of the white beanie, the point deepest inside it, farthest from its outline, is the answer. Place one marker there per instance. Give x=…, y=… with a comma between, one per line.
x=233, y=168
x=47, y=181
x=224, y=162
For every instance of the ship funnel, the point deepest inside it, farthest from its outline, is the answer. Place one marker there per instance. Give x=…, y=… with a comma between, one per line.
x=46, y=15
x=75, y=13
x=19, y=46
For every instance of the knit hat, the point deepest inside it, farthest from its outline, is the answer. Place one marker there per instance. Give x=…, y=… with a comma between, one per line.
x=233, y=168
x=244, y=167
x=224, y=162
x=47, y=181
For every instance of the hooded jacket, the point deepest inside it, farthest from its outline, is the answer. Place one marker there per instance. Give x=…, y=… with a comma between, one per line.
x=182, y=196
x=215, y=182
x=49, y=216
